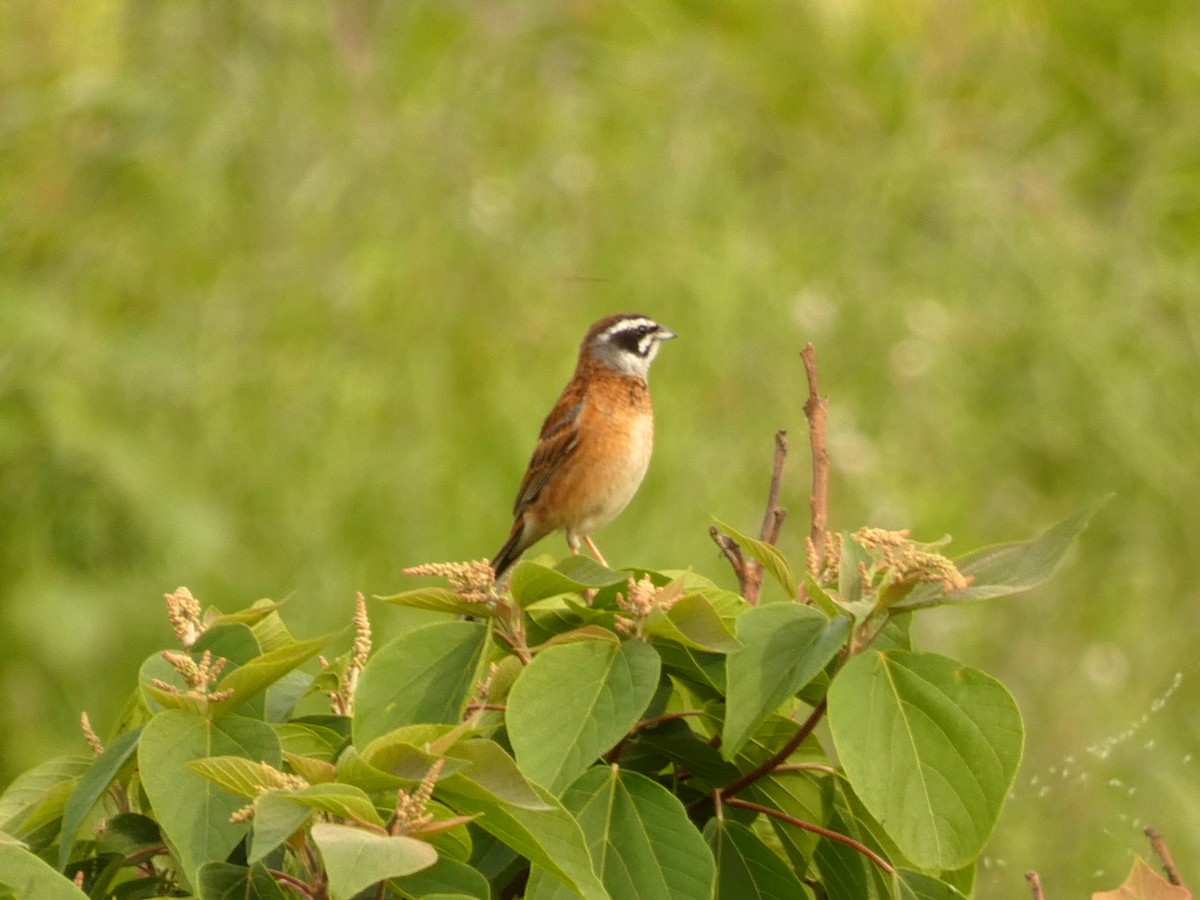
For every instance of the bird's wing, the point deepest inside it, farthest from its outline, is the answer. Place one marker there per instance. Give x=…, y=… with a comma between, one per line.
x=558, y=440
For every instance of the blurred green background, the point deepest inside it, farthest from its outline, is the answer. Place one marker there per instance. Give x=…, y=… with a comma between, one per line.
x=286, y=289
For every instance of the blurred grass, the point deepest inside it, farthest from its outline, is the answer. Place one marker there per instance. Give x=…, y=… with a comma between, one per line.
x=285, y=290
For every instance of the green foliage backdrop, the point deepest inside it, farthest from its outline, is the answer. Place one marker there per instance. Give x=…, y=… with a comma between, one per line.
x=286, y=288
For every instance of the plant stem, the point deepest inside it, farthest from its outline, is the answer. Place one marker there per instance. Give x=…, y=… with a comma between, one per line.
x=816, y=829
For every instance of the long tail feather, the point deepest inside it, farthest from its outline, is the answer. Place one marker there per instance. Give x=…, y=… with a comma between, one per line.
x=512, y=549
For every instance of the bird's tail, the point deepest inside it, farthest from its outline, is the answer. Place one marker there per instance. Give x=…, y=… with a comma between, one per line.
x=512, y=549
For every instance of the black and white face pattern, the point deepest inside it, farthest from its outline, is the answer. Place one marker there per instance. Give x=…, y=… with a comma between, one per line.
x=631, y=343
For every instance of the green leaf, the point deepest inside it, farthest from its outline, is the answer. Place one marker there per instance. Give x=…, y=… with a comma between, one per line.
x=40, y=795
x=445, y=878
x=237, y=774
x=784, y=646
x=356, y=859
x=768, y=555
x=192, y=811
x=423, y=676
x=275, y=820
x=398, y=757
x=528, y=819
x=930, y=746
x=307, y=739
x=590, y=573
x=91, y=788
x=694, y=622
x=641, y=839
x=278, y=814
x=801, y=795
x=225, y=881
x=128, y=833
x=573, y=702
x=703, y=671
x=29, y=878
x=1006, y=569
x=341, y=800
x=747, y=869
x=251, y=679
x=533, y=582
x=438, y=599
x=851, y=588
x=912, y=885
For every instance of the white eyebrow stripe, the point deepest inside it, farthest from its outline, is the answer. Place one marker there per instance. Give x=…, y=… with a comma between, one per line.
x=627, y=325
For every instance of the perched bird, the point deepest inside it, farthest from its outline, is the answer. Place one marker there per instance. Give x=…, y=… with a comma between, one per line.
x=595, y=445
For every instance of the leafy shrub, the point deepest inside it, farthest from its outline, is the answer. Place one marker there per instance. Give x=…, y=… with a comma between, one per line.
x=583, y=732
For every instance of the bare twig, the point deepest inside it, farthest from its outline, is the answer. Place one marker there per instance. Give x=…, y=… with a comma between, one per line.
x=732, y=551
x=815, y=409
x=749, y=571
x=771, y=764
x=775, y=514
x=785, y=751
x=1035, y=885
x=1164, y=853
x=816, y=829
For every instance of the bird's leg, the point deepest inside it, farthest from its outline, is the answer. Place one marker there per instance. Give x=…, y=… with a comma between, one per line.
x=595, y=551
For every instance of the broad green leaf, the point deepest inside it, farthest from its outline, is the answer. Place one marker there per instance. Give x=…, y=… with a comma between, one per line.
x=851, y=588
x=401, y=762
x=344, y=801
x=586, y=633
x=29, y=878
x=769, y=556
x=694, y=622
x=445, y=878
x=356, y=859
x=192, y=811
x=701, y=670
x=251, y=679
x=306, y=739
x=690, y=751
x=574, y=702
x=276, y=819
x=1005, y=569
x=91, y=788
x=910, y=885
x=930, y=746
x=237, y=774
x=784, y=646
x=128, y=833
x=590, y=573
x=847, y=874
x=801, y=795
x=40, y=795
x=527, y=819
x=531, y=582
x=225, y=881
x=641, y=840
x=423, y=676
x=438, y=599
x=747, y=869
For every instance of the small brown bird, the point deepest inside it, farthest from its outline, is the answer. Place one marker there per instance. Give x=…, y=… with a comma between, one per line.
x=595, y=445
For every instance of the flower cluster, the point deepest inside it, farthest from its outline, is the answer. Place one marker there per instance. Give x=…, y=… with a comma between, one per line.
x=905, y=560
x=411, y=813
x=341, y=699
x=640, y=600
x=277, y=781
x=473, y=581
x=184, y=612
x=911, y=562
x=200, y=676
